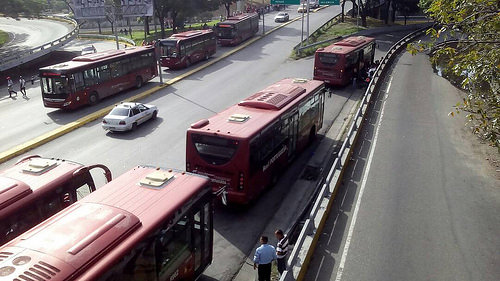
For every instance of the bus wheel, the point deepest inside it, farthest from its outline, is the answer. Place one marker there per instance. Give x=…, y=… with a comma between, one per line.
x=188, y=62
x=138, y=82
x=93, y=98
x=207, y=56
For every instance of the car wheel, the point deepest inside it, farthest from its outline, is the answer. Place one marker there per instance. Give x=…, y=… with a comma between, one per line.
x=155, y=114
x=138, y=82
x=93, y=98
x=134, y=126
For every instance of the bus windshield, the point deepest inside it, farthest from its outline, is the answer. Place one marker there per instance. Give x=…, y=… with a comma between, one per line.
x=169, y=49
x=215, y=150
x=55, y=85
x=328, y=58
x=225, y=31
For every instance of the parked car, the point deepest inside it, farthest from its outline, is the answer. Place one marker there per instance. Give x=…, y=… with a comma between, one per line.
x=302, y=8
x=88, y=50
x=128, y=115
x=282, y=17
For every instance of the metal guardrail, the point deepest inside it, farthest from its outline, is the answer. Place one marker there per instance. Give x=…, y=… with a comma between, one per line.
x=107, y=37
x=25, y=56
x=305, y=245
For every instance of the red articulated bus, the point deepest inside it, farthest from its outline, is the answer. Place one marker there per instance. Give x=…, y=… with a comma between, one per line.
x=340, y=62
x=89, y=78
x=245, y=147
x=237, y=29
x=182, y=49
x=35, y=188
x=148, y=224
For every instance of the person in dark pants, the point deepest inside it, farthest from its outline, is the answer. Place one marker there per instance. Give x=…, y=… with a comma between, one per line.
x=281, y=250
x=22, y=86
x=10, y=84
x=263, y=258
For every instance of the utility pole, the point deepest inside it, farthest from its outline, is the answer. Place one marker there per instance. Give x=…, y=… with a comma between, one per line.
x=263, y=26
x=307, y=3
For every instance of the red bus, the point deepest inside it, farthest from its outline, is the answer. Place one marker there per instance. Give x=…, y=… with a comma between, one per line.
x=245, y=147
x=182, y=49
x=338, y=63
x=35, y=188
x=148, y=224
x=89, y=78
x=237, y=29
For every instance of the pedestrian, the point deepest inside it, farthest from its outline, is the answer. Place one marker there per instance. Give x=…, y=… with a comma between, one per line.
x=22, y=86
x=32, y=79
x=263, y=258
x=281, y=250
x=9, y=86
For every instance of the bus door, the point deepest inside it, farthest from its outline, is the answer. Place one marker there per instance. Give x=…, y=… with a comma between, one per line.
x=202, y=238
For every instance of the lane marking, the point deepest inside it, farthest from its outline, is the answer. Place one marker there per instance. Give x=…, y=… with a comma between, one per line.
x=362, y=189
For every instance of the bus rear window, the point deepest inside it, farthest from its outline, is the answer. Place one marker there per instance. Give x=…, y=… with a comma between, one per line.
x=328, y=58
x=215, y=150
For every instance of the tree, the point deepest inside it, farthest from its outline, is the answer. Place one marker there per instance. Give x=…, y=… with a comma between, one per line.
x=28, y=8
x=227, y=4
x=406, y=7
x=465, y=43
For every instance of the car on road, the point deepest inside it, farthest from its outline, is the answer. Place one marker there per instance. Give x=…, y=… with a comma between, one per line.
x=128, y=115
x=88, y=50
x=282, y=17
x=302, y=8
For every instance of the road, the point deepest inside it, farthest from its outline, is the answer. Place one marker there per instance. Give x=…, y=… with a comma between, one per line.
x=418, y=201
x=162, y=142
x=21, y=127
x=30, y=33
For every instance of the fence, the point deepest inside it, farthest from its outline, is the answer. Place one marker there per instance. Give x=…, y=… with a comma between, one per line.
x=306, y=243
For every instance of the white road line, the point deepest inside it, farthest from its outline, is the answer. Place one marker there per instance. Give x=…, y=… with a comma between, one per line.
x=361, y=191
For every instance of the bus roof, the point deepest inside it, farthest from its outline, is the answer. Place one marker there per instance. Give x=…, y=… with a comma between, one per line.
x=89, y=59
x=248, y=117
x=31, y=178
x=186, y=35
x=346, y=45
x=237, y=18
x=106, y=222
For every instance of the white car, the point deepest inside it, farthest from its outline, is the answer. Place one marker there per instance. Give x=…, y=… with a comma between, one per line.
x=302, y=8
x=282, y=17
x=128, y=115
x=88, y=50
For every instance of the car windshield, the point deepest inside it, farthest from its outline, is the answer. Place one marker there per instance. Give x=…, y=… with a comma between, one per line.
x=119, y=111
x=281, y=14
x=88, y=49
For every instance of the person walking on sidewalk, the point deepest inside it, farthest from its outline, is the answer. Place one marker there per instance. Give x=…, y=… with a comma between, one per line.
x=22, y=86
x=263, y=258
x=10, y=84
x=281, y=250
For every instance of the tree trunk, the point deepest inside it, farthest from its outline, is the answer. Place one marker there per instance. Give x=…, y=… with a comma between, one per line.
x=162, y=26
x=342, y=16
x=99, y=25
x=354, y=8
x=228, y=12
x=174, y=22
x=386, y=11
x=146, y=25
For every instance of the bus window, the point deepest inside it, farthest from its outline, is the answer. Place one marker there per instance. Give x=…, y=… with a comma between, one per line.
x=90, y=77
x=215, y=150
x=78, y=81
x=328, y=58
x=83, y=191
x=175, y=247
x=103, y=73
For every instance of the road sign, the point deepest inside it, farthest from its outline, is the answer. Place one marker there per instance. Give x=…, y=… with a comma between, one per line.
x=329, y=2
x=285, y=2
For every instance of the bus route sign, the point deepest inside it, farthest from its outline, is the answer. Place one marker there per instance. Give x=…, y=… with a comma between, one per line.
x=329, y=2
x=285, y=2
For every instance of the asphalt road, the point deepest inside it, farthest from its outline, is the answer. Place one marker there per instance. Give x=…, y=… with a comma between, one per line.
x=29, y=33
x=418, y=202
x=162, y=142
x=19, y=127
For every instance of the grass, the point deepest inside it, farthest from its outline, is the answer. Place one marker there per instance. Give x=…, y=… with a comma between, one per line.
x=335, y=30
x=4, y=37
x=138, y=34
